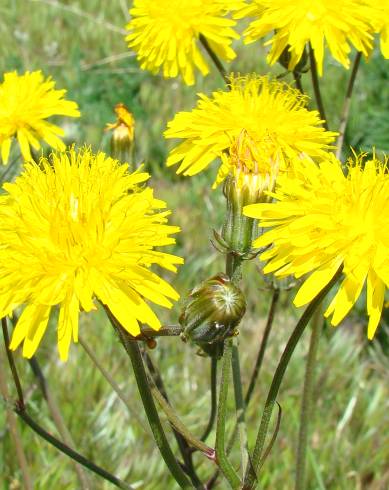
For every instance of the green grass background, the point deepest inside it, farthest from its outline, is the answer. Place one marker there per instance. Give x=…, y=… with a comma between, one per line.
x=81, y=44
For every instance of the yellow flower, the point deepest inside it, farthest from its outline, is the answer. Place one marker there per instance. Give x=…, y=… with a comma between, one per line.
x=382, y=26
x=336, y=23
x=272, y=115
x=26, y=101
x=322, y=220
x=78, y=227
x=165, y=34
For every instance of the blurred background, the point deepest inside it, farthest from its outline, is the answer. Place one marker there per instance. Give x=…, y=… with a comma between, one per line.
x=81, y=45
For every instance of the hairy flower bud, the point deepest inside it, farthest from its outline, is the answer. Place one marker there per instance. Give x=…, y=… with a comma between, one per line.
x=212, y=311
x=123, y=134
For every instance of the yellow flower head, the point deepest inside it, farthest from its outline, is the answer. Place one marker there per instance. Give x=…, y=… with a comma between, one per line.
x=382, y=26
x=271, y=114
x=322, y=220
x=336, y=23
x=78, y=227
x=165, y=34
x=26, y=101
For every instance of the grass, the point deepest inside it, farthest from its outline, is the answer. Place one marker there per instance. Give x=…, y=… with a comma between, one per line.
x=81, y=45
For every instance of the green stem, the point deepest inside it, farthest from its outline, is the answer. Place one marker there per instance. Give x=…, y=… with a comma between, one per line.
x=14, y=432
x=214, y=58
x=262, y=348
x=11, y=363
x=307, y=400
x=297, y=80
x=251, y=474
x=347, y=105
x=316, y=87
x=57, y=418
x=116, y=388
x=186, y=450
x=221, y=457
x=233, y=266
x=239, y=405
x=212, y=416
x=69, y=451
x=161, y=441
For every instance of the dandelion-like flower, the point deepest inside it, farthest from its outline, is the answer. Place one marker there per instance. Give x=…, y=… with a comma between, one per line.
x=165, y=34
x=26, y=101
x=382, y=26
x=271, y=114
x=323, y=220
x=75, y=228
x=334, y=23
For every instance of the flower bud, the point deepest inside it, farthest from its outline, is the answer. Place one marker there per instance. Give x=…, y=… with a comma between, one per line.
x=248, y=178
x=212, y=311
x=123, y=134
x=285, y=59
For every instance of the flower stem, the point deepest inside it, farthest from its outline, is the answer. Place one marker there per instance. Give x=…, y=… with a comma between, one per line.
x=316, y=87
x=297, y=81
x=347, y=104
x=307, y=399
x=221, y=457
x=185, y=440
x=262, y=348
x=28, y=483
x=69, y=451
x=251, y=473
x=116, y=388
x=133, y=351
x=57, y=418
x=20, y=410
x=11, y=363
x=214, y=58
x=239, y=405
x=212, y=416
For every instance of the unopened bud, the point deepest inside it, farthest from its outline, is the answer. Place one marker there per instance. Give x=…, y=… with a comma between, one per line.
x=250, y=176
x=123, y=134
x=285, y=59
x=212, y=311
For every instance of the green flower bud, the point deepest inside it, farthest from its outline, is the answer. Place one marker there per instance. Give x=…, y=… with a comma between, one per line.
x=212, y=312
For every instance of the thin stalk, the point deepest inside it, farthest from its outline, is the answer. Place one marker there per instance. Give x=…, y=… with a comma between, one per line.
x=233, y=266
x=214, y=58
x=70, y=452
x=221, y=457
x=178, y=425
x=307, y=400
x=20, y=410
x=316, y=87
x=116, y=388
x=251, y=474
x=254, y=376
x=57, y=418
x=239, y=405
x=28, y=483
x=297, y=81
x=347, y=105
x=212, y=416
x=11, y=363
x=185, y=439
x=161, y=441
x=262, y=348
x=165, y=331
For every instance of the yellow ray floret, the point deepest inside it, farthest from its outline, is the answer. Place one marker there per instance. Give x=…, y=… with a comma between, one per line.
x=271, y=114
x=382, y=26
x=78, y=227
x=165, y=34
x=322, y=220
x=335, y=24
x=26, y=101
